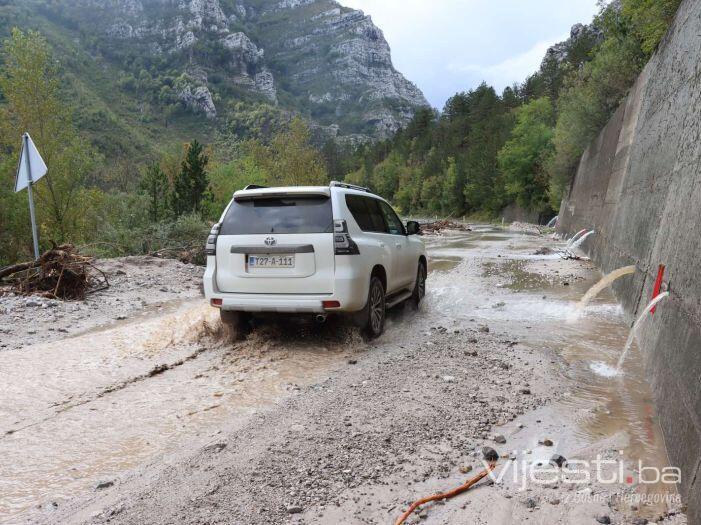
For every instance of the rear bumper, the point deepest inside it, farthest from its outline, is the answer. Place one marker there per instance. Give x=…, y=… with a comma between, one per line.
x=350, y=290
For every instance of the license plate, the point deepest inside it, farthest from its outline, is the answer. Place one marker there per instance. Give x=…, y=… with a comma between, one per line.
x=271, y=261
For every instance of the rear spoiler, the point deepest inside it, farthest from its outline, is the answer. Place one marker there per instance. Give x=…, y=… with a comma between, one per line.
x=290, y=191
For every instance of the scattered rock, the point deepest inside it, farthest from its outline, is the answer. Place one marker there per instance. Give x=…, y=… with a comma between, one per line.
x=352, y=361
x=499, y=439
x=465, y=469
x=558, y=460
x=530, y=503
x=294, y=509
x=603, y=518
x=490, y=455
x=215, y=447
x=104, y=485
x=484, y=328
x=547, y=442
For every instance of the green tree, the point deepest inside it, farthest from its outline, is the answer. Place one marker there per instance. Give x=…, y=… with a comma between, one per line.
x=489, y=125
x=232, y=176
x=588, y=99
x=155, y=185
x=452, y=200
x=431, y=194
x=190, y=189
x=521, y=159
x=650, y=20
x=291, y=159
x=31, y=101
x=385, y=176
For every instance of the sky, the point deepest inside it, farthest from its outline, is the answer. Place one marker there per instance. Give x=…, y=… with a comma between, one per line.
x=448, y=46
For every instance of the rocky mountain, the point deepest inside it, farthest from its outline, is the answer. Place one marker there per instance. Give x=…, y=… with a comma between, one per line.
x=204, y=58
x=581, y=35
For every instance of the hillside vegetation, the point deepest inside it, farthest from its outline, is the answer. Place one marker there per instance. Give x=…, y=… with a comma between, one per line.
x=128, y=85
x=487, y=150
x=137, y=168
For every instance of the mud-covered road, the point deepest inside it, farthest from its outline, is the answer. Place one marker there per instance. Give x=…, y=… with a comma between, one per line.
x=131, y=409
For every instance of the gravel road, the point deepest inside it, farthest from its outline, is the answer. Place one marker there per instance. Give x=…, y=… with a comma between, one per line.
x=384, y=423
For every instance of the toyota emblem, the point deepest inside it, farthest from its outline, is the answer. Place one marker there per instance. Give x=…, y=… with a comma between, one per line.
x=271, y=241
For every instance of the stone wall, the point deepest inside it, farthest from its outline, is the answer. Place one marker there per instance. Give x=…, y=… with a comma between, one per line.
x=639, y=186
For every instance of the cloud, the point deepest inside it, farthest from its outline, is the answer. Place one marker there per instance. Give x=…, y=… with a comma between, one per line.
x=449, y=46
x=513, y=69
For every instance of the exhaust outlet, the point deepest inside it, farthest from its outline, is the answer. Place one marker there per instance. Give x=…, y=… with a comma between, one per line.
x=321, y=318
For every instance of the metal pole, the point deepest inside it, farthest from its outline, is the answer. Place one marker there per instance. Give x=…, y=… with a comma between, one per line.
x=35, y=235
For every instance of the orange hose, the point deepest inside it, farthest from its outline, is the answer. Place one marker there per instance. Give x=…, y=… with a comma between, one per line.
x=445, y=495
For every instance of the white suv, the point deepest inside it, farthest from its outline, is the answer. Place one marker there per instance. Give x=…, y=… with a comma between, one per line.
x=312, y=249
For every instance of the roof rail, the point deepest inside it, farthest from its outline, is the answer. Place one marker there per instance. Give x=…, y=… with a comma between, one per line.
x=336, y=184
x=254, y=187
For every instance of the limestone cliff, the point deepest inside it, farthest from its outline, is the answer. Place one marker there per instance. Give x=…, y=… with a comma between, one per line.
x=314, y=57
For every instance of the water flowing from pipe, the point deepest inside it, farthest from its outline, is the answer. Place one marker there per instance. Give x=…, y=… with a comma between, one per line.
x=637, y=324
x=605, y=282
x=552, y=222
x=581, y=240
x=575, y=237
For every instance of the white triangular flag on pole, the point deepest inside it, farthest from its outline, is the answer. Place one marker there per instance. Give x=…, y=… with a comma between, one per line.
x=30, y=169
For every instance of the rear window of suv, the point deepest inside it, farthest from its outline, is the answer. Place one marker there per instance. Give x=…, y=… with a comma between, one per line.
x=367, y=213
x=294, y=214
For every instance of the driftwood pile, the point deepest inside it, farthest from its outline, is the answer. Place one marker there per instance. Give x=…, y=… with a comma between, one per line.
x=60, y=273
x=444, y=224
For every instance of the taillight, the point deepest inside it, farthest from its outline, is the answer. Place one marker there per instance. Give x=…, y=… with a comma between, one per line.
x=342, y=242
x=211, y=247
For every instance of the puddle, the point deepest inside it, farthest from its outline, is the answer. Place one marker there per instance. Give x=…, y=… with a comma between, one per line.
x=442, y=264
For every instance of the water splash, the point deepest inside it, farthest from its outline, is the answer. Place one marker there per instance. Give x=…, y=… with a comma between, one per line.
x=579, y=241
x=637, y=324
x=552, y=222
x=575, y=237
x=605, y=282
x=602, y=369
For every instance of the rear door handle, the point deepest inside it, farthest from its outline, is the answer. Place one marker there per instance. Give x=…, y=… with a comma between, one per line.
x=399, y=245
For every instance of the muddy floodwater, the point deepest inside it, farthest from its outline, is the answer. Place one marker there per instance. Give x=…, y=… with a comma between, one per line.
x=84, y=410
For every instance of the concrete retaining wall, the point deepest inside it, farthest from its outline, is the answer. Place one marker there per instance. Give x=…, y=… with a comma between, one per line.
x=639, y=186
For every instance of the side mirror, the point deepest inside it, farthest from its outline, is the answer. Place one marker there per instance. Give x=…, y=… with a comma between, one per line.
x=413, y=228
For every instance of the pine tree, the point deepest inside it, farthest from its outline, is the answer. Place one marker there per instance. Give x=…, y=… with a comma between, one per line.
x=155, y=185
x=452, y=201
x=191, y=186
